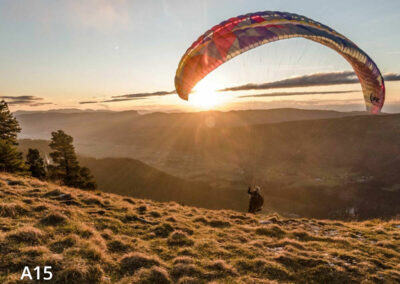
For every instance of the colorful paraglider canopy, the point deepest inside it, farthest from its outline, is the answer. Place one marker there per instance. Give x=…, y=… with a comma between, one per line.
x=237, y=35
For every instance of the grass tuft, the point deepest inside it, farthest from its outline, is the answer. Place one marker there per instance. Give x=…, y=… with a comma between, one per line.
x=132, y=262
x=54, y=219
x=152, y=275
x=78, y=274
x=27, y=235
x=179, y=238
x=118, y=246
x=221, y=269
x=65, y=243
x=12, y=210
x=270, y=231
x=183, y=269
x=163, y=230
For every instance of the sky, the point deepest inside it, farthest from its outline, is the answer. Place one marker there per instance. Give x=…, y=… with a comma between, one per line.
x=85, y=54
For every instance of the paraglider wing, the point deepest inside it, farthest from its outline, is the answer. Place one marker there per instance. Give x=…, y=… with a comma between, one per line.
x=237, y=35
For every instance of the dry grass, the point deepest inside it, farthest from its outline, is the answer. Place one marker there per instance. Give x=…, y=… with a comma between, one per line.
x=131, y=262
x=104, y=238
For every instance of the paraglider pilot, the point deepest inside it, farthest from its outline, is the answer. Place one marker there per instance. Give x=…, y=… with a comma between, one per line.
x=256, y=200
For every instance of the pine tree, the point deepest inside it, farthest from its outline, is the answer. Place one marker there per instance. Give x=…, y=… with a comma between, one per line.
x=86, y=179
x=9, y=126
x=36, y=164
x=10, y=159
x=66, y=166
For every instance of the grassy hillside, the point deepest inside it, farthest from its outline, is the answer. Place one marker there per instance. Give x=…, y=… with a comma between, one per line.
x=105, y=238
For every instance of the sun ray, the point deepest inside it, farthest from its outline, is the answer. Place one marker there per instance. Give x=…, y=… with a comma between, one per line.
x=205, y=96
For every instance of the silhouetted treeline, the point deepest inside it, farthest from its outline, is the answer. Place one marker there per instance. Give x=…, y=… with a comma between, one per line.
x=63, y=165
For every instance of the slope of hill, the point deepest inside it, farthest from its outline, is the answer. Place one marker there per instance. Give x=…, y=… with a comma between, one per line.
x=105, y=238
x=131, y=177
x=134, y=178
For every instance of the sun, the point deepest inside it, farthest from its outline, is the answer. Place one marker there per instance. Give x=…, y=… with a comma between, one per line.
x=205, y=96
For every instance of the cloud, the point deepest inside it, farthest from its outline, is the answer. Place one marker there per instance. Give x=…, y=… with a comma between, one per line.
x=24, y=100
x=282, y=94
x=317, y=79
x=113, y=100
x=124, y=98
x=40, y=104
x=88, y=102
x=391, y=77
x=131, y=97
x=143, y=95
